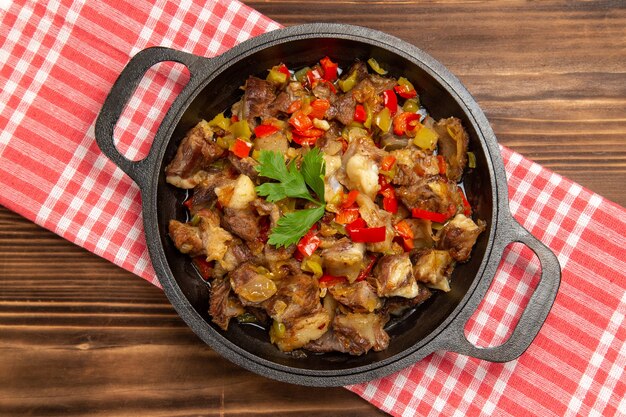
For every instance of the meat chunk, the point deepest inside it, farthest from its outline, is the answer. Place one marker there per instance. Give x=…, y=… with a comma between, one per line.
x=433, y=267
x=359, y=296
x=393, y=277
x=186, y=238
x=422, y=233
x=459, y=235
x=297, y=296
x=280, y=104
x=328, y=342
x=296, y=333
x=223, y=306
x=258, y=96
x=369, y=91
x=193, y=156
x=396, y=306
x=358, y=332
x=374, y=216
x=237, y=253
x=453, y=142
x=204, y=197
x=343, y=108
x=245, y=166
x=241, y=222
x=434, y=194
x=251, y=285
x=344, y=258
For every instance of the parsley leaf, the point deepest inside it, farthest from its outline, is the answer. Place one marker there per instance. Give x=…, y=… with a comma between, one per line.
x=293, y=183
x=313, y=171
x=292, y=226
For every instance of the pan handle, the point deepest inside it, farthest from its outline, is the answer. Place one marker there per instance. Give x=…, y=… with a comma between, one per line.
x=533, y=315
x=121, y=92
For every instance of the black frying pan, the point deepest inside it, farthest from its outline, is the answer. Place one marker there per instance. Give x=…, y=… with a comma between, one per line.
x=438, y=323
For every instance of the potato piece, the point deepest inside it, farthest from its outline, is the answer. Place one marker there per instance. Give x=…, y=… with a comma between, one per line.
x=237, y=195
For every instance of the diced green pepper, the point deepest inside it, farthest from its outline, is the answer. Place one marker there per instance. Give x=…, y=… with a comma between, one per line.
x=376, y=66
x=404, y=81
x=383, y=120
x=426, y=138
x=276, y=77
x=220, y=121
x=368, y=119
x=411, y=105
x=348, y=83
x=471, y=160
x=246, y=318
x=240, y=129
x=300, y=75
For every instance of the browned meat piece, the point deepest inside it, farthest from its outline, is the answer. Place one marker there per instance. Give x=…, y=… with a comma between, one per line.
x=396, y=306
x=186, y=238
x=297, y=296
x=267, y=208
x=393, y=277
x=299, y=331
x=405, y=175
x=358, y=333
x=280, y=104
x=204, y=197
x=193, y=156
x=241, y=222
x=280, y=261
x=459, y=235
x=236, y=254
x=328, y=342
x=330, y=142
x=258, y=96
x=344, y=258
x=369, y=91
x=222, y=306
x=359, y=296
x=251, y=284
x=433, y=267
x=244, y=165
x=453, y=142
x=435, y=194
x=343, y=108
x=360, y=68
x=322, y=90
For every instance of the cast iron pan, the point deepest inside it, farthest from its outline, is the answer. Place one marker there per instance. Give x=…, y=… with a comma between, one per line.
x=437, y=324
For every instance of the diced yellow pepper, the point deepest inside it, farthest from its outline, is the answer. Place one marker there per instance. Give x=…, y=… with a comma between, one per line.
x=411, y=105
x=383, y=120
x=240, y=129
x=348, y=83
x=376, y=66
x=426, y=138
x=220, y=121
x=404, y=81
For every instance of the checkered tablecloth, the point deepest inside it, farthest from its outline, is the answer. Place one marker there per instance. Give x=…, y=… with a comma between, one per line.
x=59, y=60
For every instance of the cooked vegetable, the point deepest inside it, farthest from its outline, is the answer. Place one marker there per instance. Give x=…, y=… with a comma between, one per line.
x=321, y=204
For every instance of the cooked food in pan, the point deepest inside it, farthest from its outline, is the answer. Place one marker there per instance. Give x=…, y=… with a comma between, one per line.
x=322, y=203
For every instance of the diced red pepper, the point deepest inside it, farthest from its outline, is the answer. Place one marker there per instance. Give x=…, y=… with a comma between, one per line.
x=295, y=106
x=405, y=91
x=313, y=75
x=310, y=133
x=388, y=163
x=360, y=115
x=404, y=122
x=467, y=208
x=441, y=161
x=365, y=272
x=434, y=216
x=329, y=280
x=349, y=199
x=204, y=268
x=404, y=229
x=283, y=68
x=390, y=204
x=234, y=118
x=347, y=215
x=304, y=140
x=265, y=130
x=188, y=203
x=241, y=148
x=330, y=69
x=309, y=243
x=264, y=229
x=368, y=234
x=300, y=121
x=319, y=107
x=391, y=101
x=357, y=224
x=344, y=144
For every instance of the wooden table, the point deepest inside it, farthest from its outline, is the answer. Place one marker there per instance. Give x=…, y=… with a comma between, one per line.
x=79, y=335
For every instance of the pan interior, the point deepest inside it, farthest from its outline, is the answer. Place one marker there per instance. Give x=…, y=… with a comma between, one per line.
x=222, y=92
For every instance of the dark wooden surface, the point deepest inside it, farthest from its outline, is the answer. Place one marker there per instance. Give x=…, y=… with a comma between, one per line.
x=80, y=336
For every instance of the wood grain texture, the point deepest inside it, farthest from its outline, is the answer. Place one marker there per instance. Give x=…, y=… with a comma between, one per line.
x=79, y=336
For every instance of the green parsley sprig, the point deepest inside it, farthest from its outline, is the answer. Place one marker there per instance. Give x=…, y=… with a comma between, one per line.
x=293, y=183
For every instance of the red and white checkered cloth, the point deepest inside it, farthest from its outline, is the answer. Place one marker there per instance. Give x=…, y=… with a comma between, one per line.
x=59, y=60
